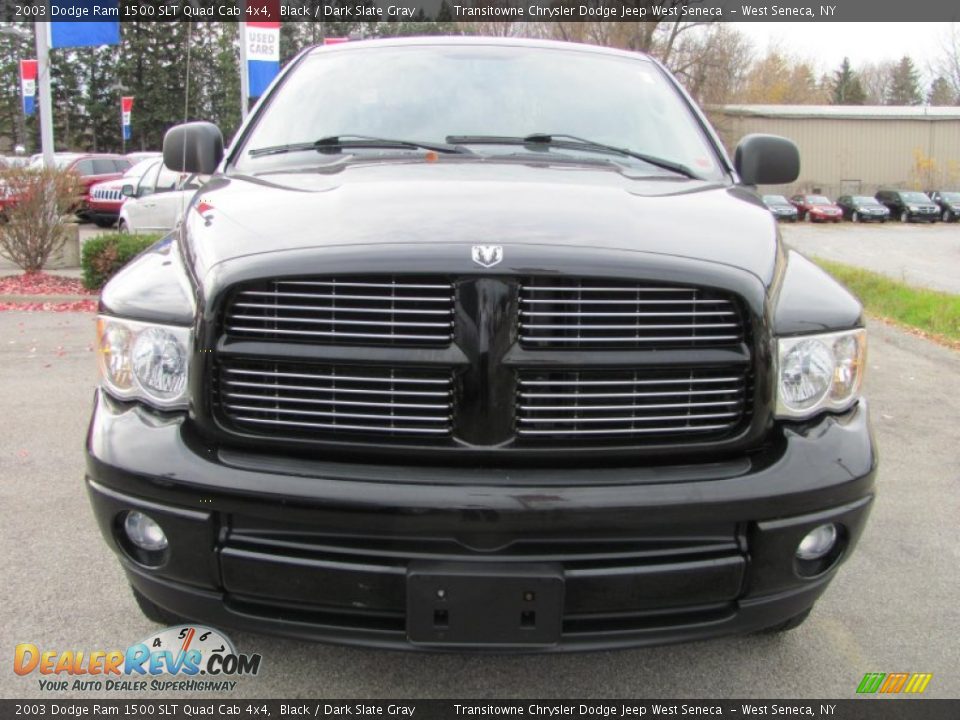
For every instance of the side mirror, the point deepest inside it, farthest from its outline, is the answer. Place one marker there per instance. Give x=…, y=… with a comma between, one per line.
x=128, y=191
x=766, y=160
x=194, y=147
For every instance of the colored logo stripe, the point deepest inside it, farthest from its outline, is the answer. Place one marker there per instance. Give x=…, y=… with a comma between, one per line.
x=893, y=683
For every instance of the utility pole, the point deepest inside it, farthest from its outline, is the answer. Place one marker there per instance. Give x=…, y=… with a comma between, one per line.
x=43, y=89
x=244, y=77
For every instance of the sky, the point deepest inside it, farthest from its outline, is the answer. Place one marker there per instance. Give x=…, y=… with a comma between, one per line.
x=826, y=43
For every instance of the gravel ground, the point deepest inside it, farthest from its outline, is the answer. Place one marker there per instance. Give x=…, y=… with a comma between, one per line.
x=922, y=255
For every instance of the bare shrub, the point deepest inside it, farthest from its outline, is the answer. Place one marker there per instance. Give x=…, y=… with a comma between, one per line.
x=34, y=202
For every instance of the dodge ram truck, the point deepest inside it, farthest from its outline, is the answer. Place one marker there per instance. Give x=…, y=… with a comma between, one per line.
x=479, y=345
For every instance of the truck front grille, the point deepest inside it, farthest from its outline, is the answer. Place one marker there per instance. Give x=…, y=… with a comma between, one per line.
x=306, y=399
x=624, y=403
x=595, y=314
x=383, y=310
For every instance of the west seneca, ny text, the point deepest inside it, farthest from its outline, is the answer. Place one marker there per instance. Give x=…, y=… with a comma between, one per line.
x=636, y=12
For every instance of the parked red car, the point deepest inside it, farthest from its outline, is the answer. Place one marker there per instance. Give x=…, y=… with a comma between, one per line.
x=91, y=168
x=816, y=208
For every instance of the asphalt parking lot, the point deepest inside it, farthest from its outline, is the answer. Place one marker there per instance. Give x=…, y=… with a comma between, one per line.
x=917, y=254
x=892, y=608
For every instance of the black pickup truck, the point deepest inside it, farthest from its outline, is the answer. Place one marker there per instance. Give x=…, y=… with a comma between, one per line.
x=479, y=344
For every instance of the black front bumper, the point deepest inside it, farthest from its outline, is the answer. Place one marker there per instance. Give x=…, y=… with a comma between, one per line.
x=323, y=550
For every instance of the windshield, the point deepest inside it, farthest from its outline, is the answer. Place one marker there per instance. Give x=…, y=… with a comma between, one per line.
x=775, y=200
x=950, y=196
x=427, y=93
x=818, y=200
x=865, y=200
x=915, y=197
x=140, y=168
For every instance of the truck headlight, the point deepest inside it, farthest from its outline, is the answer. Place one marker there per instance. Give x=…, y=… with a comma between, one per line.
x=819, y=372
x=144, y=361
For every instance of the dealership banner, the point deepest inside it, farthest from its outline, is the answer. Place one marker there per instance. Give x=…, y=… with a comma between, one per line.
x=126, y=113
x=28, y=85
x=246, y=709
x=262, y=42
x=99, y=22
x=96, y=22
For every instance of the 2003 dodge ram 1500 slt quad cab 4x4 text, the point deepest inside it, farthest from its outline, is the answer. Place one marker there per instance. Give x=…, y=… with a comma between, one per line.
x=479, y=344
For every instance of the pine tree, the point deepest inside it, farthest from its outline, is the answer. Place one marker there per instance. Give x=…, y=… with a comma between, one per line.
x=905, y=84
x=941, y=93
x=847, y=89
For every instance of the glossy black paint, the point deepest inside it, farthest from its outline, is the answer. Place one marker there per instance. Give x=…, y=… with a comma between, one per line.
x=233, y=522
x=808, y=300
x=703, y=535
x=154, y=287
x=766, y=160
x=900, y=208
x=949, y=208
x=867, y=210
x=195, y=147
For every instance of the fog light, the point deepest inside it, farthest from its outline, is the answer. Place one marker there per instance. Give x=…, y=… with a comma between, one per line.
x=144, y=532
x=818, y=542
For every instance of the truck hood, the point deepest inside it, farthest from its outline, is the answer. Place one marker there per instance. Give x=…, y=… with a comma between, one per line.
x=470, y=201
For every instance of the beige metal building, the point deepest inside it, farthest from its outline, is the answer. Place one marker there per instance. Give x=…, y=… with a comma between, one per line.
x=855, y=149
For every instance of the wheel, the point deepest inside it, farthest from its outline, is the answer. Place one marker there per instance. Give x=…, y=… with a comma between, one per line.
x=855, y=217
x=790, y=623
x=947, y=217
x=904, y=217
x=154, y=612
x=103, y=222
x=808, y=217
x=122, y=227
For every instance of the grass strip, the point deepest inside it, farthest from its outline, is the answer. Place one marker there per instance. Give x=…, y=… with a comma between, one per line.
x=931, y=312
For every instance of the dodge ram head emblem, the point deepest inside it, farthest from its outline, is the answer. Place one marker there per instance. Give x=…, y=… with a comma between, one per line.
x=487, y=255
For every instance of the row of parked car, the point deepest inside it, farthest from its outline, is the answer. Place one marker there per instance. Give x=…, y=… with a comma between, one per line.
x=903, y=205
x=136, y=191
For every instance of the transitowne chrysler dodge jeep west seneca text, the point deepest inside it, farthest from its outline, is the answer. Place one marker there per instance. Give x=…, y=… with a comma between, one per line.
x=479, y=343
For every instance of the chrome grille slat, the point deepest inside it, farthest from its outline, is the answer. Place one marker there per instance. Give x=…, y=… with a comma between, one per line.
x=326, y=401
x=339, y=321
x=348, y=403
x=338, y=391
x=705, y=313
x=652, y=406
x=595, y=396
x=342, y=426
x=597, y=314
x=576, y=301
x=338, y=310
x=668, y=403
x=348, y=310
x=339, y=378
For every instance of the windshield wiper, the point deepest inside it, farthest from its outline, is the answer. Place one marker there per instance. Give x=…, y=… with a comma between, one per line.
x=336, y=143
x=572, y=142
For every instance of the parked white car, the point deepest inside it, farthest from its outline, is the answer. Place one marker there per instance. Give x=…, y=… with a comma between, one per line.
x=157, y=203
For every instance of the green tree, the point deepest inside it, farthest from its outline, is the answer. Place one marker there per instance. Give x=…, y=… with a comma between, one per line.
x=846, y=88
x=905, y=84
x=941, y=92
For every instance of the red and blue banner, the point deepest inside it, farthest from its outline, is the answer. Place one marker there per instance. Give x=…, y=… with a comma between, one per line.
x=263, y=55
x=126, y=112
x=28, y=85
